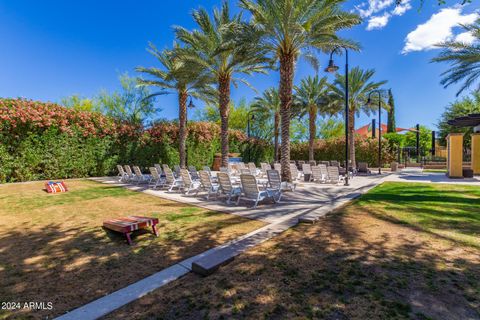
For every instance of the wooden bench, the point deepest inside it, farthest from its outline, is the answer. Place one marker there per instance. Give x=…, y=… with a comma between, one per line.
x=127, y=225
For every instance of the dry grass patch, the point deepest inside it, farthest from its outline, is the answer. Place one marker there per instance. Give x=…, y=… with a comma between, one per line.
x=53, y=247
x=371, y=260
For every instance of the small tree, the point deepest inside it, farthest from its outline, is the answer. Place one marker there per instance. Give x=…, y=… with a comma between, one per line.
x=391, y=126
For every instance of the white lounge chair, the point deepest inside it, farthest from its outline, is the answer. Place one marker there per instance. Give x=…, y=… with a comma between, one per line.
x=139, y=176
x=251, y=191
x=176, y=171
x=207, y=184
x=193, y=172
x=170, y=181
x=277, y=166
x=188, y=183
x=307, y=169
x=123, y=176
x=295, y=175
x=226, y=187
x=276, y=185
x=129, y=172
x=264, y=167
x=156, y=179
x=253, y=168
x=317, y=175
x=333, y=175
x=159, y=168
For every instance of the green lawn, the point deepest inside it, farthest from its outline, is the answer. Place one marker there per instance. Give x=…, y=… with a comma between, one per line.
x=402, y=251
x=53, y=247
x=448, y=211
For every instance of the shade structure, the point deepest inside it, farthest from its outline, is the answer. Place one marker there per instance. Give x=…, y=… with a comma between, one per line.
x=471, y=120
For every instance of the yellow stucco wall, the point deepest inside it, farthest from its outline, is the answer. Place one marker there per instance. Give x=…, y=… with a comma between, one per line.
x=476, y=153
x=455, y=155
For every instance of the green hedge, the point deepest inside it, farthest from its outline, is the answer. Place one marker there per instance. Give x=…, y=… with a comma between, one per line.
x=47, y=141
x=366, y=150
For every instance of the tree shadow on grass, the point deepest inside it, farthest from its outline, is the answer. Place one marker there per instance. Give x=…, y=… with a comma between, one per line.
x=72, y=266
x=348, y=266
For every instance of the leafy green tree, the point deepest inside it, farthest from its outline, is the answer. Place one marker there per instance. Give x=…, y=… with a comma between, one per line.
x=391, y=126
x=312, y=96
x=360, y=85
x=459, y=108
x=267, y=107
x=216, y=46
x=83, y=104
x=331, y=128
x=133, y=103
x=288, y=27
x=464, y=59
x=237, y=118
x=181, y=77
x=425, y=139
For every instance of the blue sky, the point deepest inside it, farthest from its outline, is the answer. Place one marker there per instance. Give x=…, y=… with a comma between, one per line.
x=52, y=49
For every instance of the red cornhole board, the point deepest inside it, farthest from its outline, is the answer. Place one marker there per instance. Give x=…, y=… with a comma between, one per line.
x=55, y=187
x=127, y=225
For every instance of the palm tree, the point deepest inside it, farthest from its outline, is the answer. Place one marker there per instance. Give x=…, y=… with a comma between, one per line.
x=180, y=76
x=289, y=26
x=312, y=97
x=216, y=48
x=268, y=105
x=464, y=59
x=360, y=85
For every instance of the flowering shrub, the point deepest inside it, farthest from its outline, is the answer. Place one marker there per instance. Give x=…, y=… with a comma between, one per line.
x=366, y=150
x=48, y=141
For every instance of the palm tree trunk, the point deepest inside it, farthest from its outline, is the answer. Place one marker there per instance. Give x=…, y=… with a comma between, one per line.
x=224, y=99
x=276, y=129
x=287, y=61
x=312, y=110
x=351, y=135
x=182, y=127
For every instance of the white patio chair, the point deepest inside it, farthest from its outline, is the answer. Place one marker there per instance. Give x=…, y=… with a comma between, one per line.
x=170, y=181
x=139, y=176
x=307, y=169
x=241, y=165
x=253, y=168
x=317, y=175
x=264, y=167
x=193, y=172
x=244, y=171
x=226, y=187
x=123, y=176
x=294, y=173
x=334, y=175
x=176, y=171
x=156, y=179
x=159, y=168
x=251, y=191
x=129, y=172
x=276, y=185
x=207, y=184
x=225, y=170
x=188, y=183
x=324, y=172
x=277, y=166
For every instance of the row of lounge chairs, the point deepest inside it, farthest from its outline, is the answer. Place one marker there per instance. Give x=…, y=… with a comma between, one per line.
x=247, y=188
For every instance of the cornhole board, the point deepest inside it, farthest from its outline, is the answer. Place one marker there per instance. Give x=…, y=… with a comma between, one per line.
x=55, y=187
x=127, y=225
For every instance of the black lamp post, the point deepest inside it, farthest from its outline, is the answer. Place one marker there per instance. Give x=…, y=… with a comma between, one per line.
x=250, y=116
x=379, y=126
x=332, y=68
x=189, y=106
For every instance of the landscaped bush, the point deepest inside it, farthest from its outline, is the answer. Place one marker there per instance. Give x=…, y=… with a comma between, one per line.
x=48, y=141
x=366, y=150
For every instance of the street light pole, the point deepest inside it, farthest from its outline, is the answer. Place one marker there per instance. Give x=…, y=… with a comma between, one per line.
x=332, y=68
x=379, y=127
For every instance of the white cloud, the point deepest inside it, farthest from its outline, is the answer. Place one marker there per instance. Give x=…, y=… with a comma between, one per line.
x=465, y=37
x=401, y=9
x=379, y=12
x=374, y=6
x=437, y=29
x=378, y=22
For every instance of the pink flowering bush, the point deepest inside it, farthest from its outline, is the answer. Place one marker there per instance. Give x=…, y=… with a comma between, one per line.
x=48, y=141
x=366, y=150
